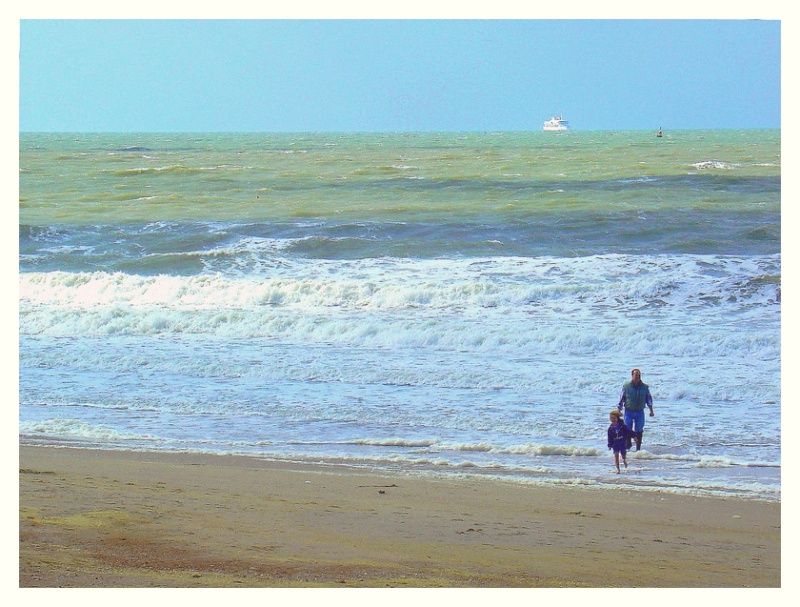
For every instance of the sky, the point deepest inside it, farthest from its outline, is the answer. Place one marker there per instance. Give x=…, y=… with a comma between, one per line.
x=344, y=75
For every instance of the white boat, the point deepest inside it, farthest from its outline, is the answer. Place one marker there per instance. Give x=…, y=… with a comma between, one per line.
x=556, y=123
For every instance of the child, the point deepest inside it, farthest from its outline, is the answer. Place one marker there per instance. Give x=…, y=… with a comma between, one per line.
x=618, y=436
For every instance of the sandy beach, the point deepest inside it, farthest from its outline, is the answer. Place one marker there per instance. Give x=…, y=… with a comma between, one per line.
x=130, y=519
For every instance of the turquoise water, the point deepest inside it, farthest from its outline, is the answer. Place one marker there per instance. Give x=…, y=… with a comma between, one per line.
x=451, y=303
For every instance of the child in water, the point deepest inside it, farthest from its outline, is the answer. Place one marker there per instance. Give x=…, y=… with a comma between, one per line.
x=618, y=435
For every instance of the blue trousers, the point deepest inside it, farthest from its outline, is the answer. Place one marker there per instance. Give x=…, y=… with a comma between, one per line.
x=634, y=420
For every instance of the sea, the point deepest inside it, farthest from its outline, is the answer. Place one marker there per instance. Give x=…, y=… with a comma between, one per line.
x=449, y=304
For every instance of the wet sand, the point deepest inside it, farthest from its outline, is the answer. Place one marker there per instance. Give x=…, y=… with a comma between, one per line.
x=128, y=519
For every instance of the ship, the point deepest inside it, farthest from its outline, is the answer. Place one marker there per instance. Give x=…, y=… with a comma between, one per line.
x=556, y=123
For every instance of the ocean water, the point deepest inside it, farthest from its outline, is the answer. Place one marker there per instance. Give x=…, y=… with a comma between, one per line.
x=435, y=303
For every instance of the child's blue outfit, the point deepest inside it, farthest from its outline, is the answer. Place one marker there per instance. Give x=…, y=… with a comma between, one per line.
x=618, y=437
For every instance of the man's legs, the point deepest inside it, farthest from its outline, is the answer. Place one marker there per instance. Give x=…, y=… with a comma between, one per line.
x=639, y=417
x=635, y=421
x=629, y=423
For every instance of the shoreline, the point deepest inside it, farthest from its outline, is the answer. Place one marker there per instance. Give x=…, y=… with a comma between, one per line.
x=628, y=481
x=93, y=518
x=332, y=464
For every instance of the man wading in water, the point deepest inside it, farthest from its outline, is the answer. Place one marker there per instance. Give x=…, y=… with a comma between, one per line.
x=635, y=396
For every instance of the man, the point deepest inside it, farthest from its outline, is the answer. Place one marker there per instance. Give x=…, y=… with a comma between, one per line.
x=635, y=396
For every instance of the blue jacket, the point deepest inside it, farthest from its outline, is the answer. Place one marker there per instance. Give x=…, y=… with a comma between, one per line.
x=618, y=435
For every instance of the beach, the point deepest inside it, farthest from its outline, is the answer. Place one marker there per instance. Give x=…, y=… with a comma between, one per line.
x=128, y=519
x=388, y=359
x=422, y=302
